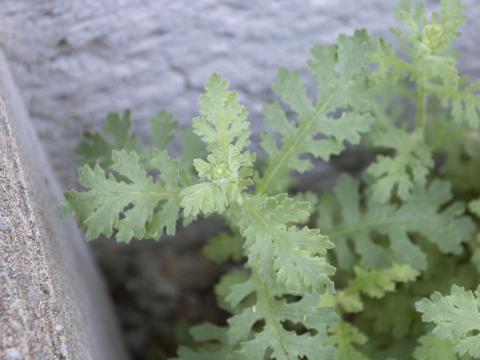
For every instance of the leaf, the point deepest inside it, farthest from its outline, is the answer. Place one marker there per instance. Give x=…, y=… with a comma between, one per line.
x=275, y=337
x=205, y=198
x=216, y=339
x=432, y=347
x=391, y=69
x=428, y=212
x=184, y=353
x=239, y=292
x=223, y=126
x=456, y=317
x=377, y=282
x=192, y=148
x=229, y=295
x=400, y=322
x=460, y=146
x=271, y=237
x=374, y=283
x=403, y=172
x=163, y=126
x=115, y=134
x=165, y=218
x=65, y=211
x=426, y=39
x=296, y=256
x=223, y=120
x=224, y=247
x=462, y=98
x=474, y=207
x=345, y=336
x=432, y=63
x=126, y=203
x=340, y=114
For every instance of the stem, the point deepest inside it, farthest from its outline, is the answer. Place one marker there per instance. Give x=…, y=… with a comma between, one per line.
x=264, y=300
x=265, y=297
x=304, y=129
x=421, y=104
x=185, y=178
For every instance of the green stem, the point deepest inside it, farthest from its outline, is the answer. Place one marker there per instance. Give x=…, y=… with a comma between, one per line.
x=401, y=64
x=185, y=178
x=304, y=129
x=421, y=104
x=264, y=298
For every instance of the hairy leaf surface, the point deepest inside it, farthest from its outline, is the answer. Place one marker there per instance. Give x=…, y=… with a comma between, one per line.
x=340, y=114
x=456, y=317
x=425, y=213
x=127, y=202
x=296, y=257
x=406, y=170
x=374, y=283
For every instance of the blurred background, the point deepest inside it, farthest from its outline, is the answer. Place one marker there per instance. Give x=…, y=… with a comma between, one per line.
x=75, y=61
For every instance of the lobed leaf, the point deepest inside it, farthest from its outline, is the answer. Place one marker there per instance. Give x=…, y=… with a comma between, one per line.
x=276, y=338
x=192, y=148
x=127, y=203
x=215, y=336
x=406, y=170
x=456, y=317
x=433, y=347
x=345, y=336
x=339, y=115
x=274, y=245
x=428, y=212
x=163, y=125
x=223, y=127
x=374, y=283
x=432, y=63
x=115, y=134
x=223, y=120
x=229, y=295
x=224, y=247
x=460, y=147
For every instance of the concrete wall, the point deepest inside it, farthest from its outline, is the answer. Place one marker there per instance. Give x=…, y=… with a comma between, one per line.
x=76, y=60
x=53, y=303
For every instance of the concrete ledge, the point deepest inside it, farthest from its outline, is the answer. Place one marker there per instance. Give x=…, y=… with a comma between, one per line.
x=53, y=304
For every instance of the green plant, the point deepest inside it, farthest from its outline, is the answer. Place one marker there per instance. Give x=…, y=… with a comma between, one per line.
x=333, y=275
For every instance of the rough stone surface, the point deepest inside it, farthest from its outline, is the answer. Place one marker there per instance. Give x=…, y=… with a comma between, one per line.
x=53, y=304
x=77, y=60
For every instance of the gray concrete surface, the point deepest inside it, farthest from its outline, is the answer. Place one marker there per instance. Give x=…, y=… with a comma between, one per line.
x=53, y=303
x=76, y=60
